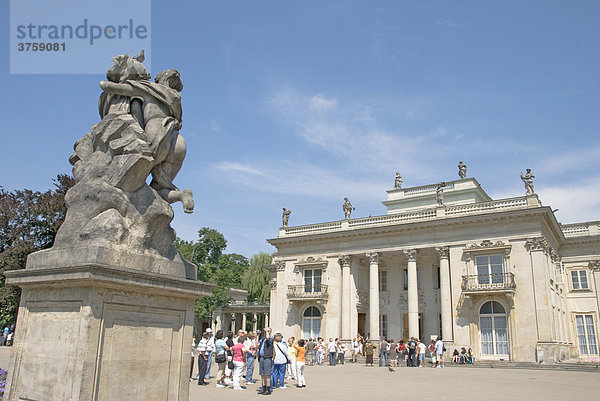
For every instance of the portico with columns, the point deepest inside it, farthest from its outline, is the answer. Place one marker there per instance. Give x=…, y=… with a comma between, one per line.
x=479, y=273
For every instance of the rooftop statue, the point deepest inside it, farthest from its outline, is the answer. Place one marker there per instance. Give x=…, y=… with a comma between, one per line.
x=348, y=208
x=286, y=217
x=462, y=170
x=528, y=181
x=398, y=181
x=138, y=136
x=439, y=193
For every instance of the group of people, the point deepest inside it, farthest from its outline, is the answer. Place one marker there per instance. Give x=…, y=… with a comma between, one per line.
x=7, y=335
x=463, y=357
x=235, y=355
x=410, y=354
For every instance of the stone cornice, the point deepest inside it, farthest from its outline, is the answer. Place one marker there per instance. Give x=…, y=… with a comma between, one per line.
x=110, y=277
x=447, y=223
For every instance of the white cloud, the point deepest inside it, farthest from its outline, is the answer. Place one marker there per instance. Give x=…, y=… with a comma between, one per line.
x=302, y=179
x=577, y=202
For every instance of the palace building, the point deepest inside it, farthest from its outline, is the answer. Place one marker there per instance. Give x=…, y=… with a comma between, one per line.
x=502, y=277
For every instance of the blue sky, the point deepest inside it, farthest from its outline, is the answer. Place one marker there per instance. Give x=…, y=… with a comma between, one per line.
x=299, y=104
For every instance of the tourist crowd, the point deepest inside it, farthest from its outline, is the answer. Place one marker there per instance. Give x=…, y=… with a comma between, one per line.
x=7, y=335
x=237, y=356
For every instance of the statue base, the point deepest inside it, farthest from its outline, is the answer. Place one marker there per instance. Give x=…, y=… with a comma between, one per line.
x=92, y=330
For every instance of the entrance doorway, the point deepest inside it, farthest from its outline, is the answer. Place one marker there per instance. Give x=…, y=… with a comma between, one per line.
x=405, y=327
x=362, y=318
x=493, y=330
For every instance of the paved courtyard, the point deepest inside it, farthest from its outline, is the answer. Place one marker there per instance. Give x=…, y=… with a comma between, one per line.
x=357, y=382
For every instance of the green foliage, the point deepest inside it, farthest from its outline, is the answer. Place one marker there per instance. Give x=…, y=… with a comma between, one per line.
x=29, y=221
x=225, y=270
x=256, y=278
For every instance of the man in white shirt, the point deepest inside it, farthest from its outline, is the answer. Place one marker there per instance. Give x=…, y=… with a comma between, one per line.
x=332, y=347
x=439, y=352
x=422, y=348
x=202, y=359
x=210, y=348
x=355, y=349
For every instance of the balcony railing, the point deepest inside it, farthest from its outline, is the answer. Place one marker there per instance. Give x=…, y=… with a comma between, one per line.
x=307, y=291
x=500, y=282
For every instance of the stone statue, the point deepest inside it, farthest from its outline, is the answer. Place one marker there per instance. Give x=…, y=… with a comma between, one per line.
x=528, y=181
x=348, y=208
x=462, y=170
x=286, y=217
x=398, y=181
x=111, y=204
x=439, y=193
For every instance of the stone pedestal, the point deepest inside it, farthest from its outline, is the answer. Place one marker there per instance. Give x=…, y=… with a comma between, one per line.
x=94, y=325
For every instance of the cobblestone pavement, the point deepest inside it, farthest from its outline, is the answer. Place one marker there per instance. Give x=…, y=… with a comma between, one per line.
x=357, y=382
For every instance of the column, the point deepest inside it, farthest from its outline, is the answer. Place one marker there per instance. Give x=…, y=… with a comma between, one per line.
x=413, y=295
x=266, y=320
x=374, y=295
x=233, y=323
x=244, y=321
x=446, y=304
x=254, y=321
x=344, y=262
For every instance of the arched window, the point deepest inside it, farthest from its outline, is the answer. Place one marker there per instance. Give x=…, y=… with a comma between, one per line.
x=311, y=322
x=312, y=311
x=493, y=329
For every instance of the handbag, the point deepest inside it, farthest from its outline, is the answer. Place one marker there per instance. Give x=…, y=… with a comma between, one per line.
x=220, y=358
x=230, y=365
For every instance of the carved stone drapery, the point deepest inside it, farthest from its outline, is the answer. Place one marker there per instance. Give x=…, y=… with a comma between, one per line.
x=411, y=255
x=279, y=265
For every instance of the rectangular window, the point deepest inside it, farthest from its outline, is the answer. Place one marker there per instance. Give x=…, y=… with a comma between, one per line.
x=489, y=269
x=406, y=279
x=312, y=280
x=579, y=279
x=586, y=335
x=383, y=280
x=558, y=272
x=383, y=326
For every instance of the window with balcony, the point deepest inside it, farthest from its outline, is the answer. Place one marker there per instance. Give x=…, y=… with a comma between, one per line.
x=489, y=269
x=383, y=281
x=586, y=335
x=579, y=280
x=312, y=280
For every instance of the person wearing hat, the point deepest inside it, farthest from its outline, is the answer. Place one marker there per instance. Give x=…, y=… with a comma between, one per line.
x=210, y=349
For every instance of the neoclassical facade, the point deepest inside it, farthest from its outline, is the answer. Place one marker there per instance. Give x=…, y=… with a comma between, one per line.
x=502, y=277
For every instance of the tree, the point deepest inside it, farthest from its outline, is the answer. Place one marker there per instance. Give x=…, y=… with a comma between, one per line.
x=225, y=270
x=29, y=221
x=256, y=278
